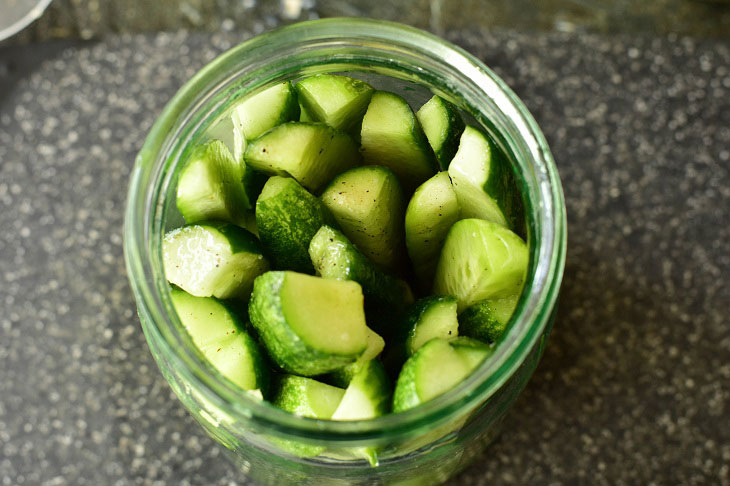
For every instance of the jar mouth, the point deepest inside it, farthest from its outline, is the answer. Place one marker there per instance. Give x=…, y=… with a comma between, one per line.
x=508, y=120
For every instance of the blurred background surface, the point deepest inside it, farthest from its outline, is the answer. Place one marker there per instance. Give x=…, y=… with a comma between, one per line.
x=88, y=19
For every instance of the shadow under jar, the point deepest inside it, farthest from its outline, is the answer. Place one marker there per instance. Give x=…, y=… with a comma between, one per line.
x=424, y=445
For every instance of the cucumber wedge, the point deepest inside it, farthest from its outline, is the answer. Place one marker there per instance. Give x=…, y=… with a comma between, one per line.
x=287, y=217
x=307, y=397
x=431, y=212
x=221, y=337
x=210, y=186
x=367, y=396
x=443, y=127
x=472, y=351
x=429, y=318
x=311, y=153
x=487, y=319
x=334, y=257
x=338, y=101
x=437, y=367
x=391, y=136
x=480, y=260
x=343, y=376
x=261, y=112
x=304, y=115
x=213, y=259
x=308, y=325
x=368, y=204
x=482, y=180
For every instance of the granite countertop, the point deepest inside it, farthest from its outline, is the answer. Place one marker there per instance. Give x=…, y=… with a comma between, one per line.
x=634, y=387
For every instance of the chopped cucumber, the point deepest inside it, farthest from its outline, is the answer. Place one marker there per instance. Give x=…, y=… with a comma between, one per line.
x=261, y=112
x=480, y=260
x=210, y=186
x=471, y=350
x=311, y=153
x=487, y=319
x=335, y=257
x=309, y=325
x=437, y=367
x=287, y=217
x=213, y=259
x=304, y=115
x=221, y=338
x=391, y=136
x=429, y=318
x=367, y=395
x=338, y=101
x=443, y=126
x=343, y=376
x=482, y=180
x=432, y=211
x=368, y=204
x=307, y=397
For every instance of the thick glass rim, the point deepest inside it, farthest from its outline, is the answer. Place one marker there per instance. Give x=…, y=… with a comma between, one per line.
x=546, y=214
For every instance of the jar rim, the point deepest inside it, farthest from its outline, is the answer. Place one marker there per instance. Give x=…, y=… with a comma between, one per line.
x=531, y=316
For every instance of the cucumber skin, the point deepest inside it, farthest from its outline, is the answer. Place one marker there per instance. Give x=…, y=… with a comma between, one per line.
x=284, y=347
x=240, y=238
x=446, y=151
x=287, y=222
x=335, y=257
x=261, y=363
x=479, y=321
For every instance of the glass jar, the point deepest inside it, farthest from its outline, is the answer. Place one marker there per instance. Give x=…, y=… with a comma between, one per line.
x=424, y=445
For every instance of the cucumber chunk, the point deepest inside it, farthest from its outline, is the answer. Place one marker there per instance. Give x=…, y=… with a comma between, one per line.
x=334, y=257
x=307, y=397
x=261, y=112
x=213, y=259
x=343, y=376
x=367, y=396
x=482, y=180
x=311, y=153
x=443, y=126
x=472, y=351
x=487, y=319
x=437, y=367
x=338, y=101
x=221, y=338
x=287, y=217
x=210, y=186
x=368, y=204
x=309, y=325
x=429, y=318
x=480, y=260
x=391, y=136
x=431, y=212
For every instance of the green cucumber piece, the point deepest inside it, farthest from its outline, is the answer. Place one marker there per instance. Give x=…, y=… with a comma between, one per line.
x=443, y=127
x=430, y=317
x=434, y=369
x=335, y=257
x=222, y=339
x=213, y=259
x=367, y=396
x=308, y=325
x=343, y=376
x=210, y=186
x=480, y=260
x=261, y=112
x=472, y=351
x=311, y=153
x=287, y=217
x=482, y=180
x=431, y=212
x=304, y=115
x=307, y=397
x=487, y=319
x=338, y=101
x=391, y=136
x=368, y=204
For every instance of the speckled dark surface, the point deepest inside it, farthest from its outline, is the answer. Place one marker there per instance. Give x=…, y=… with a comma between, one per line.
x=633, y=389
